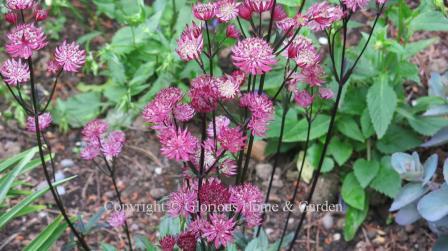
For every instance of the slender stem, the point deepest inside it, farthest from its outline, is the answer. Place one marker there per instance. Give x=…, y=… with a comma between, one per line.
x=246, y=164
x=277, y=154
x=271, y=21
x=210, y=57
x=284, y=83
x=53, y=190
x=52, y=93
x=21, y=103
x=299, y=177
x=202, y=158
x=241, y=27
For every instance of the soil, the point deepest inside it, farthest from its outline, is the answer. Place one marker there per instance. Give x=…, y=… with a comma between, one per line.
x=145, y=177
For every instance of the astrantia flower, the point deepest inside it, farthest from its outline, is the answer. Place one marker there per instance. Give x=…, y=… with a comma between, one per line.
x=11, y=17
x=180, y=146
x=94, y=129
x=253, y=55
x=204, y=94
x=248, y=200
x=259, y=5
x=160, y=109
x=262, y=111
x=196, y=227
x=204, y=11
x=226, y=10
x=15, y=72
x=19, y=4
x=239, y=77
x=183, y=112
x=311, y=75
x=53, y=67
x=244, y=12
x=303, y=98
x=287, y=25
x=24, y=39
x=111, y=148
x=117, y=136
x=40, y=14
x=322, y=15
x=90, y=152
x=228, y=167
x=219, y=230
x=167, y=243
x=232, y=32
x=70, y=56
x=209, y=155
x=187, y=241
x=182, y=202
x=117, y=219
x=231, y=139
x=220, y=123
x=190, y=43
x=302, y=51
x=279, y=13
x=44, y=122
x=355, y=5
x=228, y=87
x=326, y=93
x=214, y=195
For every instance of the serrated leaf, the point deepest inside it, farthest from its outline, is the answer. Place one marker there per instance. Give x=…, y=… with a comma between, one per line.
x=398, y=139
x=365, y=171
x=382, y=102
x=429, y=21
x=353, y=219
x=341, y=151
x=366, y=124
x=387, y=181
x=427, y=125
x=348, y=126
x=352, y=192
x=408, y=194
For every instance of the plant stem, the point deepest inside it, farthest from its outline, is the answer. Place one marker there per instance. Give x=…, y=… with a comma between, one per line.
x=53, y=190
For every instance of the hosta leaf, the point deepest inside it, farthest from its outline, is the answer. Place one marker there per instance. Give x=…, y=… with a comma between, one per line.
x=408, y=194
x=352, y=192
x=382, y=102
x=365, y=171
x=434, y=206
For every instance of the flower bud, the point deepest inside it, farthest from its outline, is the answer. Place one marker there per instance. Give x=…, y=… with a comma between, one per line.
x=244, y=12
x=232, y=32
x=40, y=15
x=279, y=13
x=11, y=17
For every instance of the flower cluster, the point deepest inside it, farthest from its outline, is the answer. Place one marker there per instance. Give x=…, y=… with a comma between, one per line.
x=99, y=143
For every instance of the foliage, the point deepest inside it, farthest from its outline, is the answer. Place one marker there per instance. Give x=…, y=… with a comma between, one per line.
x=422, y=197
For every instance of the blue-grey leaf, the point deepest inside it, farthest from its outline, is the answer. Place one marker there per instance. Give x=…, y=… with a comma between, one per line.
x=439, y=227
x=408, y=194
x=436, y=85
x=408, y=166
x=437, y=110
x=407, y=215
x=440, y=138
x=445, y=171
x=434, y=206
x=429, y=168
x=441, y=244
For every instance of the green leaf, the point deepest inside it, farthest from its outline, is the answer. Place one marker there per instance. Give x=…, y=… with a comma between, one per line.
x=4, y=164
x=30, y=209
x=366, y=124
x=291, y=3
x=341, y=151
x=427, y=125
x=353, y=219
x=398, y=139
x=387, y=181
x=353, y=193
x=5, y=185
x=429, y=21
x=365, y=171
x=11, y=213
x=347, y=126
x=142, y=242
x=314, y=154
x=107, y=247
x=413, y=48
x=169, y=226
x=382, y=102
x=45, y=235
x=299, y=130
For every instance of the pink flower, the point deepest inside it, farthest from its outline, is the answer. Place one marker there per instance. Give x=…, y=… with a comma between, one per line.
x=381, y=1
x=117, y=219
x=180, y=146
x=248, y=200
x=220, y=123
x=15, y=72
x=244, y=12
x=19, y=4
x=70, y=56
x=326, y=93
x=220, y=230
x=226, y=10
x=303, y=52
x=187, y=241
x=44, y=122
x=303, y=98
x=262, y=111
x=204, y=11
x=117, y=136
x=94, y=130
x=253, y=55
x=190, y=43
x=160, y=109
x=214, y=194
x=53, y=67
x=11, y=17
x=312, y=75
x=322, y=15
x=183, y=112
x=287, y=25
x=40, y=15
x=279, y=13
x=259, y=5
x=24, y=39
x=239, y=77
x=167, y=243
x=204, y=94
x=90, y=152
x=228, y=167
x=182, y=202
x=228, y=87
x=355, y=5
x=111, y=148
x=232, y=32
x=196, y=227
x=232, y=139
